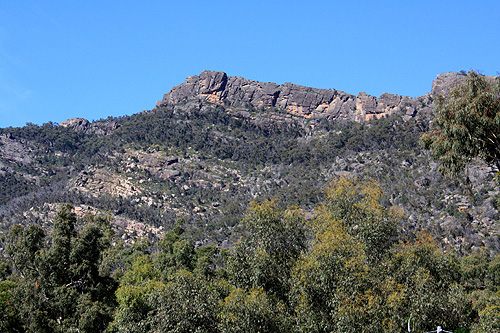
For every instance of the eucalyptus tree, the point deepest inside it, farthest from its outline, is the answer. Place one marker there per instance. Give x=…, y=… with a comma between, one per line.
x=466, y=125
x=60, y=287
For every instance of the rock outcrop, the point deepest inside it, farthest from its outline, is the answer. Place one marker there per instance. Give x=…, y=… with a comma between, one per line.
x=445, y=82
x=218, y=88
x=83, y=125
x=78, y=124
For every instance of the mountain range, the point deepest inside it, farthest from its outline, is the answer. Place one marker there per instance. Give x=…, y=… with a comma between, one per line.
x=215, y=143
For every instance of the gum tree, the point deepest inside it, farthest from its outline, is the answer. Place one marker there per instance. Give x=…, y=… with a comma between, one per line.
x=466, y=125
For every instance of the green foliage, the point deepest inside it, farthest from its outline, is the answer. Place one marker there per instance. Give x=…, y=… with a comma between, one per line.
x=252, y=311
x=119, y=258
x=424, y=284
x=356, y=278
x=357, y=206
x=332, y=288
x=132, y=296
x=177, y=251
x=346, y=269
x=208, y=260
x=158, y=293
x=475, y=270
x=494, y=274
x=186, y=303
x=13, y=186
x=9, y=318
x=60, y=287
x=26, y=246
x=489, y=320
x=5, y=268
x=467, y=125
x=265, y=258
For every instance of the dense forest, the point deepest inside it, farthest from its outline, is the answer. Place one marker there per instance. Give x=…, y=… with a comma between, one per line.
x=200, y=217
x=349, y=267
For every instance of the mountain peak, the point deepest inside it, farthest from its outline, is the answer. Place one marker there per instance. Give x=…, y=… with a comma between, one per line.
x=232, y=91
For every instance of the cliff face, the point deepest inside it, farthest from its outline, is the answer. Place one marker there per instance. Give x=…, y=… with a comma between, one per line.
x=445, y=82
x=217, y=87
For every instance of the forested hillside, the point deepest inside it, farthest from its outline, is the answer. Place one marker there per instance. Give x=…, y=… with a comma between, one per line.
x=206, y=164
x=350, y=267
x=223, y=214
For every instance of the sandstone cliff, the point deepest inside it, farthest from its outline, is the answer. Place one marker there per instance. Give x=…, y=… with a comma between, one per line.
x=217, y=87
x=232, y=91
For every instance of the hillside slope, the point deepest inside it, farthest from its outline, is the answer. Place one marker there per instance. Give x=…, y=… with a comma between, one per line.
x=215, y=143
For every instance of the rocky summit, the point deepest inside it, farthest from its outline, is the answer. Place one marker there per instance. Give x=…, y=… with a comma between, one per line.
x=233, y=91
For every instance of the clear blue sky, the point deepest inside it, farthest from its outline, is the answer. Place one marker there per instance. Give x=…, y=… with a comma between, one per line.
x=62, y=59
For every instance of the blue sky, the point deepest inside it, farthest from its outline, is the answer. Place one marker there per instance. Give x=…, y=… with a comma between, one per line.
x=94, y=59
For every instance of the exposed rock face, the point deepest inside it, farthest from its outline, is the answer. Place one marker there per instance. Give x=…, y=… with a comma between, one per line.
x=445, y=82
x=14, y=150
x=217, y=87
x=83, y=125
x=78, y=124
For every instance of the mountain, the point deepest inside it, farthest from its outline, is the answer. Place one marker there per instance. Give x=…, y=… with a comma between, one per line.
x=218, y=88
x=214, y=143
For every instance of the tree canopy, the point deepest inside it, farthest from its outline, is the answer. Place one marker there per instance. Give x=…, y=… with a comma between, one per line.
x=466, y=125
x=344, y=267
x=57, y=284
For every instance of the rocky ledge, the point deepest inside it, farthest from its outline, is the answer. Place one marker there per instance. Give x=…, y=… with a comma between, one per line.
x=83, y=125
x=233, y=91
